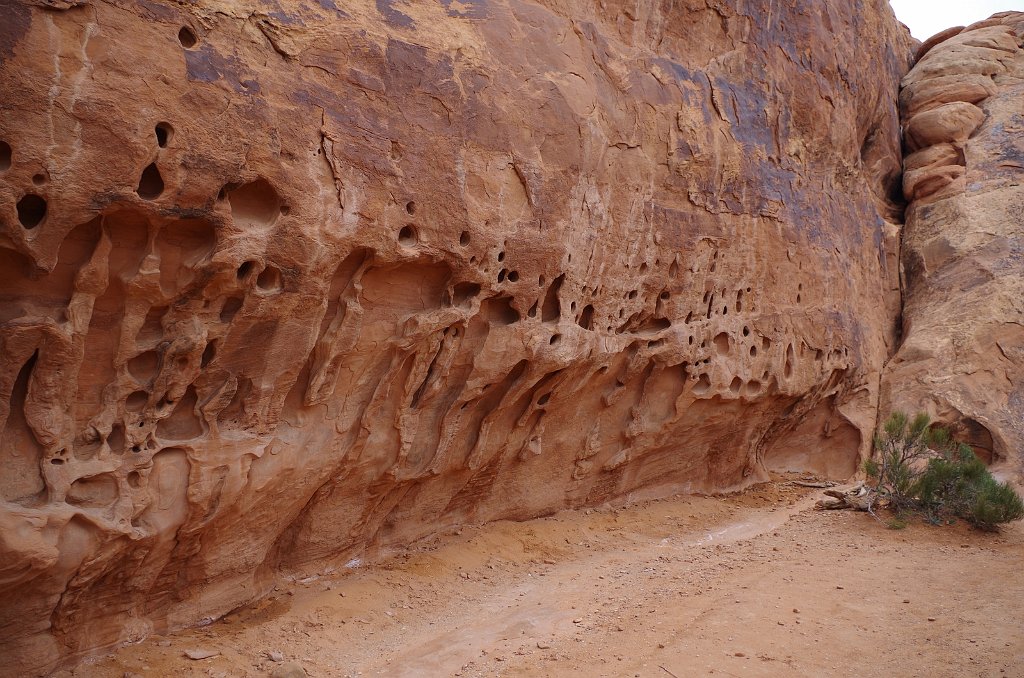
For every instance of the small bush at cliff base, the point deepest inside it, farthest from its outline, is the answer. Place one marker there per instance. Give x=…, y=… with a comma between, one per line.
x=920, y=468
x=997, y=503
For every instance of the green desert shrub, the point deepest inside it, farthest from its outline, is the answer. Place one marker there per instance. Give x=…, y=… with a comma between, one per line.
x=919, y=467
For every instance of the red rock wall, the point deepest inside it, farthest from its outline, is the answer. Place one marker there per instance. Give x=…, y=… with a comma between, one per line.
x=285, y=282
x=962, y=358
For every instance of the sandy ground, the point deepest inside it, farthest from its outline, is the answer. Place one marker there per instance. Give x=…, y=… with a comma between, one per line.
x=755, y=584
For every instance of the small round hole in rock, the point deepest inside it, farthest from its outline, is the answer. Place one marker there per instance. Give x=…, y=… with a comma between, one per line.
x=513, y=276
x=57, y=461
x=164, y=132
x=464, y=238
x=187, y=38
x=410, y=207
x=285, y=210
x=407, y=236
x=269, y=280
x=555, y=338
x=39, y=179
x=31, y=210
x=5, y=156
x=151, y=184
x=501, y=256
x=501, y=275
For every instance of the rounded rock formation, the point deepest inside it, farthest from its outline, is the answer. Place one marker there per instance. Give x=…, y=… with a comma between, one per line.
x=962, y=356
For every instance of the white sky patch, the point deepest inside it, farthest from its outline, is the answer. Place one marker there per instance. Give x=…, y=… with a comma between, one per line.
x=925, y=18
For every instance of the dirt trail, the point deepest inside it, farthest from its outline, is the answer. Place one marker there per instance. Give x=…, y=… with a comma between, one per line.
x=756, y=584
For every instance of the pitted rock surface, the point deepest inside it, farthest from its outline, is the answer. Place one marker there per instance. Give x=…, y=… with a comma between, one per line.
x=285, y=283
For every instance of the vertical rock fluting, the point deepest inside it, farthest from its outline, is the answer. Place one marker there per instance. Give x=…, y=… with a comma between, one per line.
x=282, y=284
x=962, y=359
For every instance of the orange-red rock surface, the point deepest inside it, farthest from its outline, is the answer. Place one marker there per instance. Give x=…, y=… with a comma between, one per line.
x=962, y=357
x=282, y=282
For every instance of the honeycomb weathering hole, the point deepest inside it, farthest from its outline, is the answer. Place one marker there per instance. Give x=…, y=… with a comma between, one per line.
x=164, y=132
x=31, y=210
x=5, y=156
x=463, y=293
x=269, y=280
x=586, y=320
x=93, y=491
x=255, y=205
x=137, y=401
x=722, y=344
x=407, y=236
x=187, y=38
x=500, y=311
x=209, y=353
x=245, y=269
x=144, y=366
x=151, y=184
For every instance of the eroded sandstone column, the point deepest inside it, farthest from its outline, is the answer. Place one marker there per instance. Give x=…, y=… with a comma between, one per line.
x=962, y=358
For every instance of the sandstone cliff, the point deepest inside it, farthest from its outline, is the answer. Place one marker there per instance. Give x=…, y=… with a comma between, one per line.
x=288, y=282
x=962, y=358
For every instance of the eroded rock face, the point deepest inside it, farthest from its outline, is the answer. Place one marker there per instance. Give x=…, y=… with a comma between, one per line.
x=962, y=358
x=279, y=285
